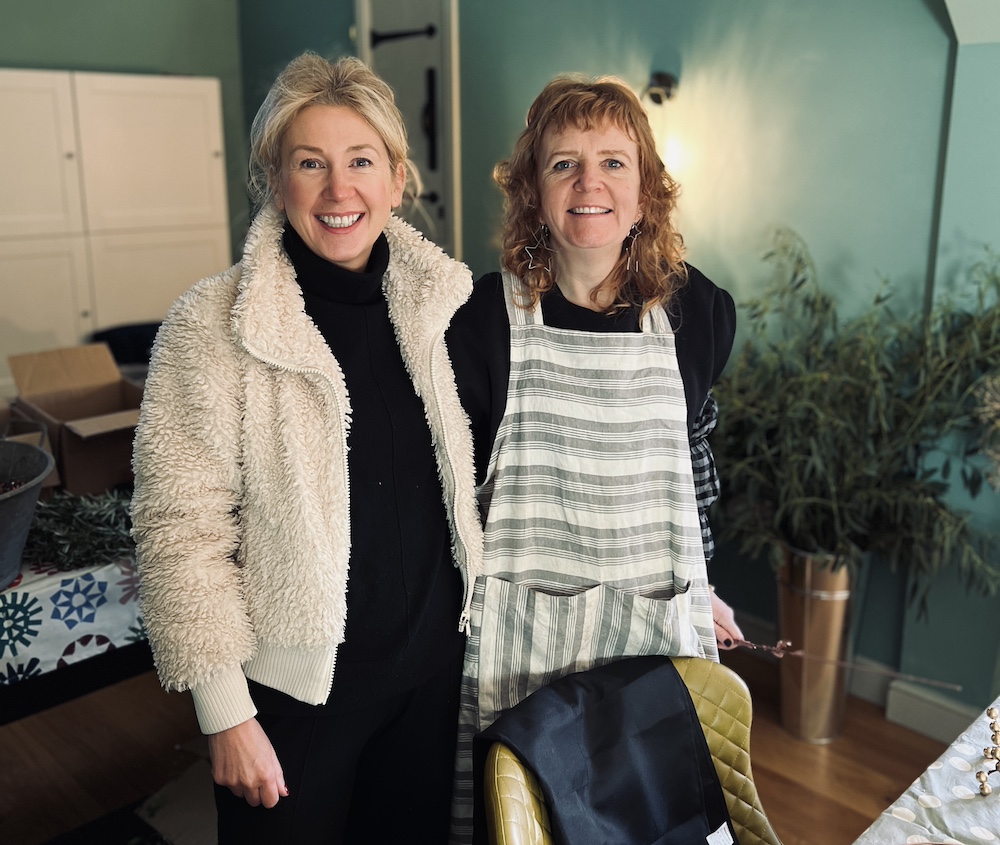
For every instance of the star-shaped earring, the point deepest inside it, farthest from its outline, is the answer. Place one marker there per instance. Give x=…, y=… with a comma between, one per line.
x=531, y=258
x=543, y=233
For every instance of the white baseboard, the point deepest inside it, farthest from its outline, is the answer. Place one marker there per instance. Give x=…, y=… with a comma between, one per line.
x=927, y=711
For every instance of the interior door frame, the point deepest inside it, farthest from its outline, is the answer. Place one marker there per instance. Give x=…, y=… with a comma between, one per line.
x=451, y=124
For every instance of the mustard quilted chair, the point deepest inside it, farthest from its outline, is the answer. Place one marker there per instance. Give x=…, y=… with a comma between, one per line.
x=515, y=807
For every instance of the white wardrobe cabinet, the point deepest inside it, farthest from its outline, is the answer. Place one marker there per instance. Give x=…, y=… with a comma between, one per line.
x=44, y=296
x=143, y=274
x=151, y=151
x=39, y=166
x=112, y=202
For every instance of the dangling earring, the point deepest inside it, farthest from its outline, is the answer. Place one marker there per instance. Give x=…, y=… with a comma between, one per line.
x=540, y=244
x=634, y=233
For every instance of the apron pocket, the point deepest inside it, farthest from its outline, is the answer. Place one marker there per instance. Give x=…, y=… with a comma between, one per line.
x=529, y=638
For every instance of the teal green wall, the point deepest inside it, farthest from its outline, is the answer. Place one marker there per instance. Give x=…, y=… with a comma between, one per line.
x=272, y=34
x=820, y=116
x=959, y=640
x=970, y=214
x=140, y=36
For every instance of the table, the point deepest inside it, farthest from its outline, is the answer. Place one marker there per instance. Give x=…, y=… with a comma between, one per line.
x=51, y=619
x=943, y=805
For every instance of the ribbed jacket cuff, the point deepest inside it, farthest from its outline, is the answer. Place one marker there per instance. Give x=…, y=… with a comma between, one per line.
x=223, y=701
x=305, y=674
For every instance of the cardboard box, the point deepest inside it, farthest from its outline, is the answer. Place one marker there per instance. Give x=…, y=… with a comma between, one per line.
x=89, y=410
x=20, y=430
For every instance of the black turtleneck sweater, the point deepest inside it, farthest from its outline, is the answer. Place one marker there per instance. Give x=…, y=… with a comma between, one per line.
x=404, y=594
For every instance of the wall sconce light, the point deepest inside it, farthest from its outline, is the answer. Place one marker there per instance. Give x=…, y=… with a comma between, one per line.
x=661, y=86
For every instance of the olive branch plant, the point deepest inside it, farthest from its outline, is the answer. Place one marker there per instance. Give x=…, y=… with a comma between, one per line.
x=828, y=427
x=989, y=416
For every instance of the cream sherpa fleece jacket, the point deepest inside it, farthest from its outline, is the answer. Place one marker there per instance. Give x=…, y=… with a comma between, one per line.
x=240, y=511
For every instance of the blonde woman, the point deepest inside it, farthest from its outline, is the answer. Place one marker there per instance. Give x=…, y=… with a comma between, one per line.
x=304, y=511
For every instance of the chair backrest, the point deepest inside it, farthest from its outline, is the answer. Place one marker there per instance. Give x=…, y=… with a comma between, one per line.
x=515, y=807
x=725, y=710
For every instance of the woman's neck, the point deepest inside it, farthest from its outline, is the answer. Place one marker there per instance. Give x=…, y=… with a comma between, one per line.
x=578, y=279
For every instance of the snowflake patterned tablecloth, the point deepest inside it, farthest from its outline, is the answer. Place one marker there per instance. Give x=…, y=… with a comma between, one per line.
x=943, y=805
x=49, y=619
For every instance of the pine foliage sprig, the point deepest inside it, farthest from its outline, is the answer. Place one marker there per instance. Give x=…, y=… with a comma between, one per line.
x=72, y=532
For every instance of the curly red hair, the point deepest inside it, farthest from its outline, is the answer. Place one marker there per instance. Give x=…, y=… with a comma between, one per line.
x=657, y=255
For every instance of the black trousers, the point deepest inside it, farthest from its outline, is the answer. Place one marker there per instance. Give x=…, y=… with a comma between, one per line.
x=378, y=774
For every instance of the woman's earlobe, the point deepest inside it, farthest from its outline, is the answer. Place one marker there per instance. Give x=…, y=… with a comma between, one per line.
x=275, y=186
x=399, y=185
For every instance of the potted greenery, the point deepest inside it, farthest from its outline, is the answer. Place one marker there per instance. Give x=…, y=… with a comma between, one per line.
x=988, y=414
x=824, y=432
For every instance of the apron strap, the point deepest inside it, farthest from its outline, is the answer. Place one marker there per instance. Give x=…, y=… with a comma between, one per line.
x=655, y=321
x=517, y=314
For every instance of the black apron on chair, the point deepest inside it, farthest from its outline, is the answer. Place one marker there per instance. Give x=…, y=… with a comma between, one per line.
x=620, y=756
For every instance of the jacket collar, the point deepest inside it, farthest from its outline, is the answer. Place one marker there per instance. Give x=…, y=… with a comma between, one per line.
x=423, y=286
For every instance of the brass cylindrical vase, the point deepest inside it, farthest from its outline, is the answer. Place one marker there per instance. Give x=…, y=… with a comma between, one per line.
x=813, y=613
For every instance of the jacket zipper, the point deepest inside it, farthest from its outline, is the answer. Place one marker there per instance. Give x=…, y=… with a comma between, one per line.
x=463, y=620
x=343, y=447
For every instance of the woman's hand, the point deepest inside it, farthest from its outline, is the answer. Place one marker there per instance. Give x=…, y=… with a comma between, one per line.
x=243, y=760
x=727, y=632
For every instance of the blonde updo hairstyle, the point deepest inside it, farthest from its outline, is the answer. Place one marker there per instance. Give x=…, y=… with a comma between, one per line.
x=656, y=256
x=311, y=80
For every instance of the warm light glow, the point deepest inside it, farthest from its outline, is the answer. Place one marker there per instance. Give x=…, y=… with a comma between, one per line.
x=662, y=118
x=674, y=155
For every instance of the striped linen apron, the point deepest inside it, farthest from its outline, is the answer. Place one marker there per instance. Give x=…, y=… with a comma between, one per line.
x=593, y=548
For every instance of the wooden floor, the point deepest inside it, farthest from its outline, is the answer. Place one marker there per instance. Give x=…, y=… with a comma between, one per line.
x=827, y=794
x=73, y=763
x=70, y=764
